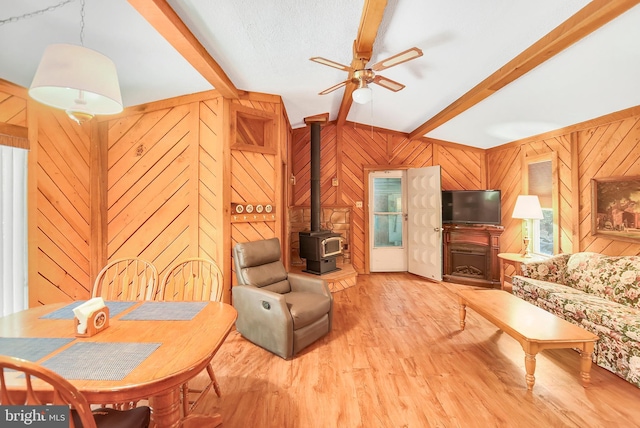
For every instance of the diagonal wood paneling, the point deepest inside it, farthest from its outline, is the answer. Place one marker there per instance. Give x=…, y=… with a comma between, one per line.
x=358, y=147
x=149, y=182
x=62, y=228
x=610, y=149
x=255, y=178
x=211, y=209
x=462, y=168
x=13, y=105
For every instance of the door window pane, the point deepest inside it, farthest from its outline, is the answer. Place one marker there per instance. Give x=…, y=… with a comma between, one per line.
x=387, y=207
x=387, y=195
x=387, y=230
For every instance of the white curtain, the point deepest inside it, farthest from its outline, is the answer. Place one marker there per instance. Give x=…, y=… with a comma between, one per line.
x=13, y=237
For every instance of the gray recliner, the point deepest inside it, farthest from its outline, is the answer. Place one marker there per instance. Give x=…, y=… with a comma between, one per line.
x=279, y=311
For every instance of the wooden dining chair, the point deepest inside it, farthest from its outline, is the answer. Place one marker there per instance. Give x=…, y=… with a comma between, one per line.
x=194, y=279
x=45, y=387
x=127, y=279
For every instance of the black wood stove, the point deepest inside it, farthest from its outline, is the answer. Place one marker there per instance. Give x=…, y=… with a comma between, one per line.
x=319, y=248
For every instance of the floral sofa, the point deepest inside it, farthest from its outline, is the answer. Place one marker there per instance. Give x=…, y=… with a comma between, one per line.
x=601, y=294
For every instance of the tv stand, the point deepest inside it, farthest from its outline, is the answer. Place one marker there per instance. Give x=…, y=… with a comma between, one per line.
x=470, y=254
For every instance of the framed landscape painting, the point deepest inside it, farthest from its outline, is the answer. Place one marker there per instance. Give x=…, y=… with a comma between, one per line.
x=615, y=208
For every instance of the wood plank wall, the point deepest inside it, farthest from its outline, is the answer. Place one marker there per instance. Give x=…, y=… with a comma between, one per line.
x=152, y=186
x=59, y=191
x=608, y=150
x=171, y=176
x=256, y=177
x=348, y=152
x=604, y=147
x=168, y=177
x=13, y=104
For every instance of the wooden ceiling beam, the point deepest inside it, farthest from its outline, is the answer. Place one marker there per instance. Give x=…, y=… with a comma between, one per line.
x=588, y=19
x=167, y=22
x=372, y=14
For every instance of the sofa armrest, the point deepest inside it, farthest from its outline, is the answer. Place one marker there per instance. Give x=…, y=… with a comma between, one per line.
x=264, y=319
x=552, y=269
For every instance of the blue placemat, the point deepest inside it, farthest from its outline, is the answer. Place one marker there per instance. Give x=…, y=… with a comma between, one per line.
x=31, y=348
x=100, y=361
x=66, y=312
x=165, y=311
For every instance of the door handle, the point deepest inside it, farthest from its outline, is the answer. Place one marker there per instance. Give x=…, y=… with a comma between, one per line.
x=437, y=229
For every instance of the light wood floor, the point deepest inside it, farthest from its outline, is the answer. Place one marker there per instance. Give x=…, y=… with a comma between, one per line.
x=396, y=358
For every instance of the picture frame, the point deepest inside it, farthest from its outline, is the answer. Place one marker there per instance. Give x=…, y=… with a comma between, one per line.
x=615, y=208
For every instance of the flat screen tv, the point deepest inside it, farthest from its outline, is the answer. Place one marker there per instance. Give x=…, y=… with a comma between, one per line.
x=471, y=207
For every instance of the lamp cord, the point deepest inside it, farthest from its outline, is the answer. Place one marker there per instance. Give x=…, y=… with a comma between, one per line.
x=38, y=12
x=50, y=9
x=82, y=22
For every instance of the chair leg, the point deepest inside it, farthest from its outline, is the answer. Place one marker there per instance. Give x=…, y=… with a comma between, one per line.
x=185, y=400
x=212, y=375
x=187, y=406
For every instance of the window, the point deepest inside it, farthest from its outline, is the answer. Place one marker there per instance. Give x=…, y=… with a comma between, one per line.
x=13, y=232
x=539, y=174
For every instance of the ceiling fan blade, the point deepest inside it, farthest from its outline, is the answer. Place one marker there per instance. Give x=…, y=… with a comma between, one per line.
x=405, y=56
x=388, y=83
x=330, y=63
x=334, y=87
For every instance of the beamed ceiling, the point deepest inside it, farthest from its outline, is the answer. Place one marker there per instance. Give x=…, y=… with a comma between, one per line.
x=492, y=71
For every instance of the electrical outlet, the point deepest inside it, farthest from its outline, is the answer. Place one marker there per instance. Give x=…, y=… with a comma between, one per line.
x=334, y=181
x=358, y=204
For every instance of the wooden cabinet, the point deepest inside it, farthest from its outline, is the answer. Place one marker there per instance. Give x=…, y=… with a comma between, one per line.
x=470, y=255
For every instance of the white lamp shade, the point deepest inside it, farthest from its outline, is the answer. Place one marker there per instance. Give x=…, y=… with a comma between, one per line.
x=527, y=207
x=75, y=78
x=362, y=95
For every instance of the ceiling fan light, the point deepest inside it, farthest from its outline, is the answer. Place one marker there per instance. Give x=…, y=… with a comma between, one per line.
x=362, y=95
x=75, y=78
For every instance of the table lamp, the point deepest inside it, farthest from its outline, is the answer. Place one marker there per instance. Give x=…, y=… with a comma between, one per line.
x=527, y=208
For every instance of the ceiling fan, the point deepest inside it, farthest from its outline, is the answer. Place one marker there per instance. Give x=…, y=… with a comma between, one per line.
x=362, y=77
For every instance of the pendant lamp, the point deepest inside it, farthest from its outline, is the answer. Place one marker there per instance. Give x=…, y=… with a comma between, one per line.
x=78, y=80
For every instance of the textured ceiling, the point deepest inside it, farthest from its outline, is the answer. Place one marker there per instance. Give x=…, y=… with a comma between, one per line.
x=265, y=47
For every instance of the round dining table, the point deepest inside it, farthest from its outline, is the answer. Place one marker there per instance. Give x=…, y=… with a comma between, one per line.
x=138, y=356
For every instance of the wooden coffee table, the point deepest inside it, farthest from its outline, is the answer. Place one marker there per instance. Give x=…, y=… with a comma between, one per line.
x=535, y=328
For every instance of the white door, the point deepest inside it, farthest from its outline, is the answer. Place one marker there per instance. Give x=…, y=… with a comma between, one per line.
x=424, y=207
x=387, y=222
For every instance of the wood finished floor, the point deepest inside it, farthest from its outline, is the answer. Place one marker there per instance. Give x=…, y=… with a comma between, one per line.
x=396, y=358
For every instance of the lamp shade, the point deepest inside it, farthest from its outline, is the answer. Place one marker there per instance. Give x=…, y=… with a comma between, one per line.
x=527, y=207
x=362, y=95
x=77, y=80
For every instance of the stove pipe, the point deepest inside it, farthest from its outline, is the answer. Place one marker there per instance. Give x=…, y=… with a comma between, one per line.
x=315, y=177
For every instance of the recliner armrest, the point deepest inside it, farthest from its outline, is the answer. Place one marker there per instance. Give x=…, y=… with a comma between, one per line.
x=308, y=284
x=299, y=282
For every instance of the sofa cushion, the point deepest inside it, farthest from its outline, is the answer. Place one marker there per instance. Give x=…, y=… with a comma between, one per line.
x=623, y=320
x=613, y=278
x=536, y=288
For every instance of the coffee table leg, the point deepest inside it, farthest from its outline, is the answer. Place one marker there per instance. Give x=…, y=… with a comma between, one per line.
x=585, y=364
x=530, y=366
x=463, y=313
